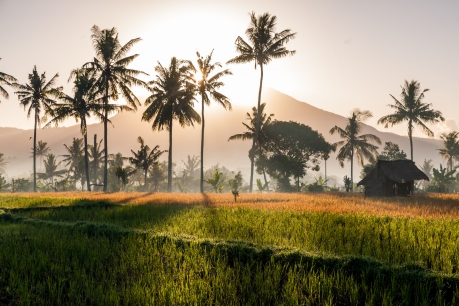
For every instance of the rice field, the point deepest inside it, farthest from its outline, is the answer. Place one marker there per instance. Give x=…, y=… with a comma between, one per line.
x=265, y=249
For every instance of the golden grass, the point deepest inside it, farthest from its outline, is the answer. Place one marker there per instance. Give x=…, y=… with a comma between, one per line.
x=423, y=206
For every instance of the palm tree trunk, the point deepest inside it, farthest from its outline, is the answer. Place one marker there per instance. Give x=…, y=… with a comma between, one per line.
x=257, y=129
x=352, y=170
x=325, y=183
x=264, y=172
x=251, y=166
x=86, y=158
x=410, y=135
x=105, y=139
x=169, y=170
x=95, y=160
x=201, y=185
x=35, y=153
x=145, y=182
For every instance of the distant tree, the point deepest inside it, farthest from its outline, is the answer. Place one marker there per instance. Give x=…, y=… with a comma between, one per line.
x=261, y=187
x=249, y=134
x=145, y=158
x=51, y=169
x=191, y=165
x=74, y=153
x=354, y=143
x=123, y=174
x=217, y=181
x=3, y=183
x=442, y=178
x=3, y=163
x=42, y=150
x=171, y=100
x=37, y=95
x=410, y=108
x=5, y=79
x=291, y=148
x=427, y=169
x=158, y=175
x=450, y=150
x=391, y=151
x=264, y=45
x=236, y=182
x=347, y=183
x=114, y=78
x=207, y=86
x=96, y=154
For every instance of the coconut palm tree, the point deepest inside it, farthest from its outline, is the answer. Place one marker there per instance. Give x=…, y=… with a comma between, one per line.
x=171, y=100
x=51, y=166
x=264, y=45
x=354, y=143
x=37, y=95
x=5, y=79
x=86, y=101
x=96, y=153
x=410, y=108
x=207, y=86
x=450, y=150
x=75, y=152
x=250, y=134
x=145, y=158
x=42, y=150
x=114, y=78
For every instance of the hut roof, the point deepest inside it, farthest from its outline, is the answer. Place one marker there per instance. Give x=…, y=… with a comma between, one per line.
x=397, y=170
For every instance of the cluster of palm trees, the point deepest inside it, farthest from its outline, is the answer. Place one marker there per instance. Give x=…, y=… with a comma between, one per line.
x=101, y=81
x=409, y=108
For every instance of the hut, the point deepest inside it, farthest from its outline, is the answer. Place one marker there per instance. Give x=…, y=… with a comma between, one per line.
x=392, y=178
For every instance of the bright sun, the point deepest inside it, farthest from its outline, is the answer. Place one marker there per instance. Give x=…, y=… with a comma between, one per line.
x=198, y=76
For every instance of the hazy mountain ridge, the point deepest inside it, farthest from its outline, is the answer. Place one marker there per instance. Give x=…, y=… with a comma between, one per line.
x=220, y=125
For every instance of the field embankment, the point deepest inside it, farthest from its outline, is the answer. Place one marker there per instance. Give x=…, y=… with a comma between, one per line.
x=123, y=248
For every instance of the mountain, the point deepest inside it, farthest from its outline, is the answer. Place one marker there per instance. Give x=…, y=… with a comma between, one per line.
x=220, y=125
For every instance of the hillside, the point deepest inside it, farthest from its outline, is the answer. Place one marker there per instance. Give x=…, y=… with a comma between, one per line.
x=220, y=124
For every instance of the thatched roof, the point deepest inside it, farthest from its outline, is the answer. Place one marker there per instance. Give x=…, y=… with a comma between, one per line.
x=399, y=171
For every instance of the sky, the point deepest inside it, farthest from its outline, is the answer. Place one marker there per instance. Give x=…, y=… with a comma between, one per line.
x=349, y=54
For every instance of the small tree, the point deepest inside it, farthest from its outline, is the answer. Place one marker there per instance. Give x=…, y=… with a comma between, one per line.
x=217, y=181
x=347, y=183
x=123, y=175
x=442, y=178
x=236, y=182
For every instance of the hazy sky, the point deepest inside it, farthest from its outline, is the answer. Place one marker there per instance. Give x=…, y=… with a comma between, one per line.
x=349, y=53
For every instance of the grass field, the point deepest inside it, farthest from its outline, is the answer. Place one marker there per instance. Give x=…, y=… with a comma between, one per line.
x=180, y=249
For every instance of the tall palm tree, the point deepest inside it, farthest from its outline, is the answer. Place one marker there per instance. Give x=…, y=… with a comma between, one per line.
x=207, y=86
x=354, y=143
x=84, y=103
x=145, y=158
x=264, y=45
x=250, y=134
x=37, y=95
x=450, y=150
x=411, y=108
x=114, y=78
x=171, y=100
x=5, y=79
x=42, y=150
x=191, y=164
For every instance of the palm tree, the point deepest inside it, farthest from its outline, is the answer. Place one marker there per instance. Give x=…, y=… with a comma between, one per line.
x=75, y=152
x=191, y=164
x=51, y=166
x=145, y=158
x=411, y=108
x=85, y=101
x=450, y=150
x=5, y=79
x=96, y=153
x=114, y=78
x=207, y=85
x=42, y=150
x=36, y=95
x=250, y=134
x=354, y=143
x=171, y=100
x=264, y=46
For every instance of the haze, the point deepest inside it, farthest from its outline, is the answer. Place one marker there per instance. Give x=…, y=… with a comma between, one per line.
x=349, y=54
